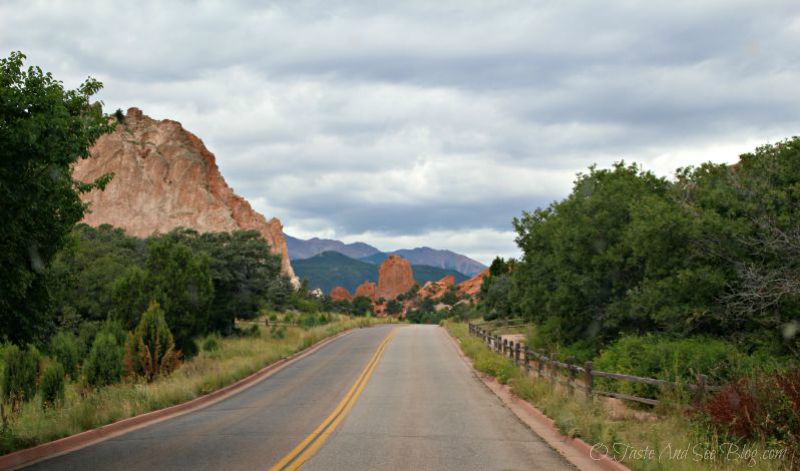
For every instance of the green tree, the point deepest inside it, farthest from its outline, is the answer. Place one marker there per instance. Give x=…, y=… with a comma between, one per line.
x=87, y=269
x=131, y=293
x=577, y=262
x=104, y=363
x=19, y=374
x=394, y=307
x=181, y=283
x=361, y=305
x=150, y=349
x=52, y=383
x=242, y=268
x=44, y=129
x=64, y=348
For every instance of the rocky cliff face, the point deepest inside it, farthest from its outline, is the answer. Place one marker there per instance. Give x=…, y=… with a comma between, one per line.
x=437, y=289
x=166, y=178
x=340, y=294
x=366, y=289
x=394, y=277
x=472, y=287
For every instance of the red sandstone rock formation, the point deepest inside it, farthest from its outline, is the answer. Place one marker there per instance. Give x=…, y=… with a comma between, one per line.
x=437, y=289
x=340, y=294
x=366, y=289
x=394, y=277
x=166, y=178
x=472, y=286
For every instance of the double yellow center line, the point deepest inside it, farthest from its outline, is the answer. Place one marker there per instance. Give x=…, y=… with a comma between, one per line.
x=306, y=449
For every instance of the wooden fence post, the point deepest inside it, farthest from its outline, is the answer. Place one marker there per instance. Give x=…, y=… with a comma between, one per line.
x=516, y=354
x=700, y=392
x=540, y=364
x=571, y=373
x=527, y=359
x=588, y=366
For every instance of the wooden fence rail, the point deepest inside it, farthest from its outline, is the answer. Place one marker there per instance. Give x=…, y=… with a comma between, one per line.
x=547, y=367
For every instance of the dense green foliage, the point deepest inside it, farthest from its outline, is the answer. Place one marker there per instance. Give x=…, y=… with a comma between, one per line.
x=150, y=348
x=210, y=343
x=712, y=253
x=104, y=364
x=20, y=369
x=51, y=385
x=202, y=281
x=361, y=306
x=242, y=269
x=64, y=348
x=180, y=280
x=43, y=130
x=331, y=269
x=668, y=358
x=86, y=269
x=394, y=307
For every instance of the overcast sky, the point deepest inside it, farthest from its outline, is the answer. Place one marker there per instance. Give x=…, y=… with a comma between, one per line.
x=434, y=123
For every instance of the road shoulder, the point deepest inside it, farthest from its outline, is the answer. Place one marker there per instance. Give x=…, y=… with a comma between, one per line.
x=574, y=450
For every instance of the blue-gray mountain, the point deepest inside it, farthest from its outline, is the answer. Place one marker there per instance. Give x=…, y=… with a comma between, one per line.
x=303, y=249
x=330, y=269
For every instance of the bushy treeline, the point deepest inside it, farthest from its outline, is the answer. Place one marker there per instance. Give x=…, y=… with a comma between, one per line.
x=130, y=307
x=713, y=252
x=203, y=282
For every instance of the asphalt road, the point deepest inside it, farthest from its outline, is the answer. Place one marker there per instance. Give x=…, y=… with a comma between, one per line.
x=421, y=409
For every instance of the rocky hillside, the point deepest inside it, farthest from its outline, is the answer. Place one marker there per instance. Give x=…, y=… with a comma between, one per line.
x=446, y=259
x=300, y=249
x=164, y=177
x=331, y=269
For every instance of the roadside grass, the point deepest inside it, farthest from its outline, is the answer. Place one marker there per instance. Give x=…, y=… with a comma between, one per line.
x=234, y=358
x=677, y=442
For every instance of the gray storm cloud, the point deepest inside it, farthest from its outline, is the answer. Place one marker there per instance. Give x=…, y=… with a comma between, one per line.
x=431, y=123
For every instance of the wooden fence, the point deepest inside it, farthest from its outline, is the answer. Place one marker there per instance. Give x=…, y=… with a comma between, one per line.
x=548, y=367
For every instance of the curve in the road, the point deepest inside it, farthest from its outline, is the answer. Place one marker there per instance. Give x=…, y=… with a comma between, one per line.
x=247, y=431
x=406, y=404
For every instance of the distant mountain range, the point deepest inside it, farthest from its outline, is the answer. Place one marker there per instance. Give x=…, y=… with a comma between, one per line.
x=302, y=249
x=445, y=259
x=330, y=269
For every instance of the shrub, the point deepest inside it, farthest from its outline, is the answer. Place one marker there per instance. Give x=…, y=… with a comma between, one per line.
x=87, y=331
x=104, y=363
x=51, y=385
x=394, y=307
x=308, y=321
x=277, y=332
x=495, y=365
x=254, y=331
x=115, y=328
x=303, y=304
x=666, y=358
x=759, y=407
x=64, y=348
x=211, y=344
x=150, y=349
x=19, y=374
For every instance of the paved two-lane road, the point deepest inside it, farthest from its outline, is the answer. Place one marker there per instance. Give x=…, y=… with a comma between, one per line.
x=420, y=409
